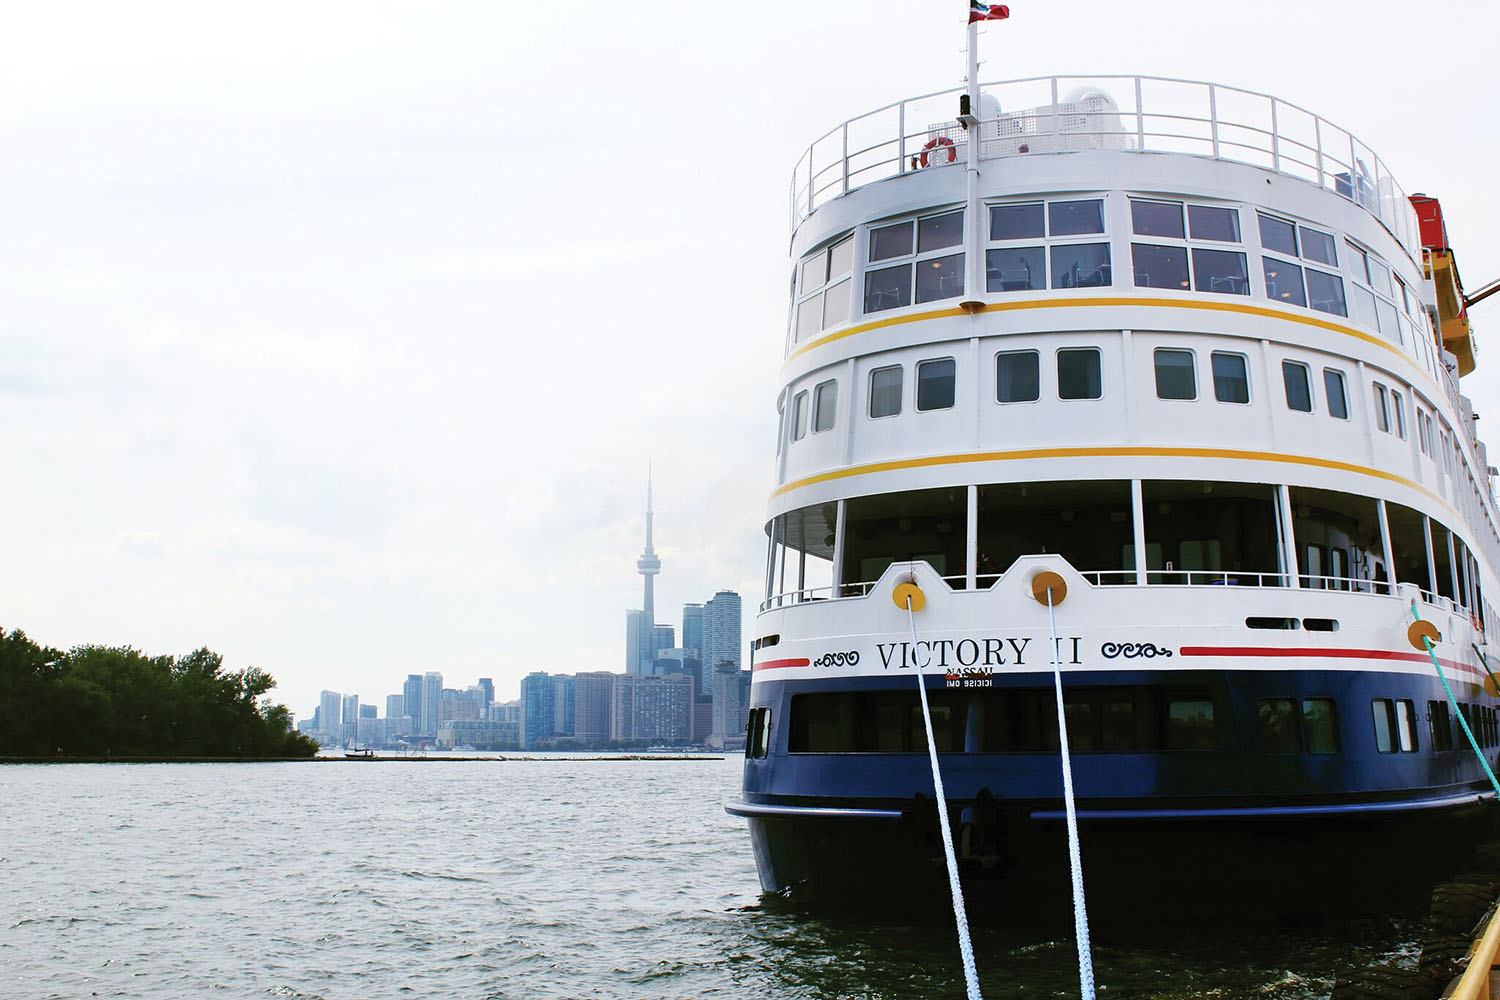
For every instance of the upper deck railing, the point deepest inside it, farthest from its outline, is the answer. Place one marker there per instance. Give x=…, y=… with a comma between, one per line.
x=1072, y=114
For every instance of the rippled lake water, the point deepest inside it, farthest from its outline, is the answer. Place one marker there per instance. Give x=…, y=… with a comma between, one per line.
x=510, y=879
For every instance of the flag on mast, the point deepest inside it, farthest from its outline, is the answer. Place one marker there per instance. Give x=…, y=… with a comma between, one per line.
x=987, y=11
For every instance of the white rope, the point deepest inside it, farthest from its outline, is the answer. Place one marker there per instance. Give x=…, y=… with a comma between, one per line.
x=965, y=948
x=1075, y=860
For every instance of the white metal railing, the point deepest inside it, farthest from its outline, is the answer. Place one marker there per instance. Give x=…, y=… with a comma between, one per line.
x=1075, y=113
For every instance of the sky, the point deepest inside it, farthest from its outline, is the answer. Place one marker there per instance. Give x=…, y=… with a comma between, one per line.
x=337, y=336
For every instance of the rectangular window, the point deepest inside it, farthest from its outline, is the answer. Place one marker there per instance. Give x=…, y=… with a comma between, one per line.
x=1319, y=247
x=1384, y=714
x=935, y=384
x=1231, y=378
x=1078, y=375
x=1284, y=281
x=1325, y=292
x=1382, y=409
x=1298, y=391
x=940, y=278
x=1017, y=222
x=824, y=287
x=1276, y=726
x=1159, y=266
x=923, y=279
x=1441, y=728
x=1075, y=218
x=891, y=241
x=1017, y=377
x=1278, y=235
x=1015, y=269
x=1157, y=218
x=1220, y=271
x=1333, y=389
x=1209, y=223
x=758, y=733
x=937, y=232
x=1175, y=378
x=799, y=416
x=885, y=391
x=1080, y=265
x=1320, y=725
x=1399, y=409
x=825, y=405
x=888, y=288
x=1190, y=724
x=1406, y=726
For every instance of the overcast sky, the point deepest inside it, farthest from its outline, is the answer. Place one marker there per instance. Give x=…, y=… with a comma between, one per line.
x=337, y=336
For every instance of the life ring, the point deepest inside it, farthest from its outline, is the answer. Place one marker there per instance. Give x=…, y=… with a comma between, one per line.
x=941, y=142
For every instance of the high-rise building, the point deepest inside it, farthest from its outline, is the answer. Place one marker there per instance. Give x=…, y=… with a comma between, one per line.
x=538, y=712
x=329, y=715
x=591, y=705
x=395, y=706
x=637, y=633
x=369, y=711
x=487, y=685
x=411, y=695
x=431, y=704
x=350, y=728
x=727, y=733
x=692, y=630
x=721, y=632
x=562, y=704
x=658, y=709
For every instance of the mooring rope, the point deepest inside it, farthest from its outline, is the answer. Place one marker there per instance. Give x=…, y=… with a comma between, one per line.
x=1075, y=857
x=960, y=917
x=1462, y=722
x=1484, y=661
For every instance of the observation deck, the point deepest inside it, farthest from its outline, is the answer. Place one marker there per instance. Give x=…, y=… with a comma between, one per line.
x=1146, y=114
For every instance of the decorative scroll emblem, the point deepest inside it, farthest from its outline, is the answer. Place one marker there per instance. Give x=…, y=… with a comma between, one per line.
x=1131, y=650
x=848, y=659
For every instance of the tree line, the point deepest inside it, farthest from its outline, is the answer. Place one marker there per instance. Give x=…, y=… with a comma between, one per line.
x=114, y=701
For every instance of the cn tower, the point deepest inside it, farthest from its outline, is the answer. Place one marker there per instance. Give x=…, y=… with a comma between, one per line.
x=648, y=565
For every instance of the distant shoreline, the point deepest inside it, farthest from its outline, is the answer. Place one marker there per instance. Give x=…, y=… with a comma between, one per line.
x=562, y=756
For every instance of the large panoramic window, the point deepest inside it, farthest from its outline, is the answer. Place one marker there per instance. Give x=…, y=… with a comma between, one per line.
x=916, y=261
x=1088, y=523
x=1298, y=283
x=1166, y=264
x=1060, y=231
x=1210, y=533
x=800, y=567
x=925, y=525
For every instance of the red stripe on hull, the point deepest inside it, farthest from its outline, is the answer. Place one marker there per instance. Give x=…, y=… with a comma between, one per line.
x=1354, y=654
x=778, y=664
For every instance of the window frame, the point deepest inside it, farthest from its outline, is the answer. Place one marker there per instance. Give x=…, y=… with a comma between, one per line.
x=820, y=392
x=1192, y=372
x=1099, y=368
x=1286, y=365
x=1304, y=263
x=911, y=260
x=900, y=392
x=800, y=406
x=1343, y=383
x=1189, y=245
x=805, y=295
x=1244, y=360
x=1036, y=359
x=917, y=383
x=1048, y=242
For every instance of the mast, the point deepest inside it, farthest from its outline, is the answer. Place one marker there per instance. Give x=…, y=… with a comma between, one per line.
x=969, y=118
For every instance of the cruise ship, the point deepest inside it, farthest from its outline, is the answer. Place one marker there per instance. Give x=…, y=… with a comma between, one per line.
x=1192, y=349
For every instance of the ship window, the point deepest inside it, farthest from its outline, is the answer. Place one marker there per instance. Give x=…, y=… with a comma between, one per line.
x=1278, y=235
x=1075, y=218
x=1281, y=624
x=1017, y=377
x=935, y=384
x=1325, y=292
x=888, y=288
x=1210, y=223
x=1298, y=392
x=890, y=241
x=1380, y=277
x=1398, y=409
x=1326, y=524
x=801, y=555
x=758, y=733
x=1319, y=247
x=1382, y=408
x=1078, y=375
x=1214, y=534
x=1406, y=726
x=1220, y=271
x=1231, y=379
x=1015, y=269
x=1157, y=218
x=940, y=278
x=1441, y=728
x=1159, y=266
x=1364, y=307
x=1312, y=567
x=1424, y=431
x=1175, y=378
x=1284, y=281
x=1359, y=262
x=927, y=278
x=825, y=288
x=1190, y=724
x=1088, y=523
x=1080, y=265
x=1017, y=222
x=1320, y=727
x=1276, y=726
x=1333, y=389
x=799, y=416
x=886, y=528
x=937, y=232
x=885, y=391
x=825, y=403
x=1384, y=714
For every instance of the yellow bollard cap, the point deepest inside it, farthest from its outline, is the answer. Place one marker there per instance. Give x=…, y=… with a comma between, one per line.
x=912, y=591
x=1417, y=629
x=1047, y=580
